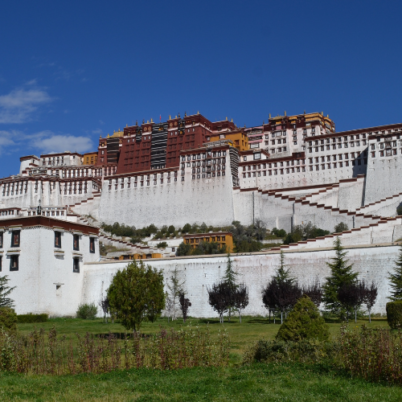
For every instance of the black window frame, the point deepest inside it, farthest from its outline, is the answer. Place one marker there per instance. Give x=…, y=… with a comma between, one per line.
x=1, y=263
x=1, y=239
x=92, y=245
x=13, y=242
x=76, y=237
x=57, y=235
x=76, y=265
x=14, y=257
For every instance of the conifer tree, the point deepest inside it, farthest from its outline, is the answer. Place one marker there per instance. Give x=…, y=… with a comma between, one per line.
x=341, y=275
x=229, y=279
x=5, y=290
x=282, y=274
x=396, y=279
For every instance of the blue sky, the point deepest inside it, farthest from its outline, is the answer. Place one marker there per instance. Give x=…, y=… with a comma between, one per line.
x=72, y=71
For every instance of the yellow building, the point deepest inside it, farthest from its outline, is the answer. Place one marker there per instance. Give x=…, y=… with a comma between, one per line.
x=240, y=139
x=90, y=158
x=222, y=238
x=127, y=256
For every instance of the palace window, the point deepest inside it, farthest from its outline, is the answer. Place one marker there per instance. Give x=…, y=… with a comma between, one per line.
x=76, y=242
x=14, y=263
x=76, y=265
x=1, y=239
x=92, y=245
x=57, y=239
x=15, y=238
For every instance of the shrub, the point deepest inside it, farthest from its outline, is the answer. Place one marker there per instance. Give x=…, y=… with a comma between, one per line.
x=303, y=322
x=278, y=232
x=373, y=354
x=30, y=318
x=87, y=311
x=8, y=319
x=162, y=244
x=136, y=294
x=341, y=227
x=305, y=351
x=394, y=314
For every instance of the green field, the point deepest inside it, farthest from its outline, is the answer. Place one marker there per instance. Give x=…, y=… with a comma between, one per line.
x=259, y=382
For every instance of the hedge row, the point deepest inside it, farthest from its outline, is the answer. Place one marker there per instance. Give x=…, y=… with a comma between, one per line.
x=30, y=318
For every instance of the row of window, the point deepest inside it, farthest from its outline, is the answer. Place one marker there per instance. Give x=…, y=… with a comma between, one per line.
x=207, y=175
x=324, y=166
x=340, y=157
x=274, y=164
x=211, y=154
x=15, y=266
x=76, y=242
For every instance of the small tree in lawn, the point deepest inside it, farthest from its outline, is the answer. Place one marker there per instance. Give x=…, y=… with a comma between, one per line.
x=219, y=296
x=231, y=286
x=104, y=305
x=240, y=300
x=314, y=292
x=341, y=274
x=136, y=294
x=5, y=290
x=370, y=297
x=184, y=305
x=175, y=289
x=396, y=279
x=349, y=297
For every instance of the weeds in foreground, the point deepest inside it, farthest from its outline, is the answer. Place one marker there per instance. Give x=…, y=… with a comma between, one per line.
x=46, y=353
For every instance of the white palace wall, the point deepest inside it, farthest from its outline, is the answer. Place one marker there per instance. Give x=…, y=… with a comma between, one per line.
x=255, y=270
x=178, y=202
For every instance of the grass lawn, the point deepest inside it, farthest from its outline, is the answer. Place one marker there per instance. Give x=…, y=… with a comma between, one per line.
x=259, y=382
x=256, y=383
x=241, y=335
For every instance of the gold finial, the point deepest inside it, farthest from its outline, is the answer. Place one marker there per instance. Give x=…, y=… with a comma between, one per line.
x=322, y=113
x=108, y=135
x=151, y=120
x=231, y=120
x=176, y=117
x=285, y=112
x=198, y=112
x=100, y=136
x=185, y=114
x=126, y=125
x=328, y=116
x=304, y=112
x=270, y=115
x=136, y=122
x=147, y=121
x=170, y=117
x=114, y=131
x=143, y=121
x=179, y=115
x=226, y=118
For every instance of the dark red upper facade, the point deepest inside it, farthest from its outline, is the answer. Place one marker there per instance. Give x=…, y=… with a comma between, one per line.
x=157, y=145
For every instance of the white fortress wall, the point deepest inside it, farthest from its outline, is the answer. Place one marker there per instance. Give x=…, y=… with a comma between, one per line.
x=178, y=202
x=372, y=264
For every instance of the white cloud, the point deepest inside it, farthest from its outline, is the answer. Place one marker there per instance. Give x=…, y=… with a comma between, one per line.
x=97, y=131
x=19, y=105
x=58, y=143
x=7, y=138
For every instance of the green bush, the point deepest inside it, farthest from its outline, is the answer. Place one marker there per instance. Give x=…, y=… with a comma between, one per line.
x=303, y=322
x=305, y=351
x=87, y=311
x=162, y=244
x=394, y=314
x=30, y=318
x=8, y=319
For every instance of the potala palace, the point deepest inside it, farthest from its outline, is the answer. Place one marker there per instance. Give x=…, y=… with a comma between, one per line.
x=287, y=171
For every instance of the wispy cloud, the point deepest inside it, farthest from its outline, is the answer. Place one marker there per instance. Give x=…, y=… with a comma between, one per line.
x=48, y=142
x=19, y=105
x=97, y=131
x=7, y=138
